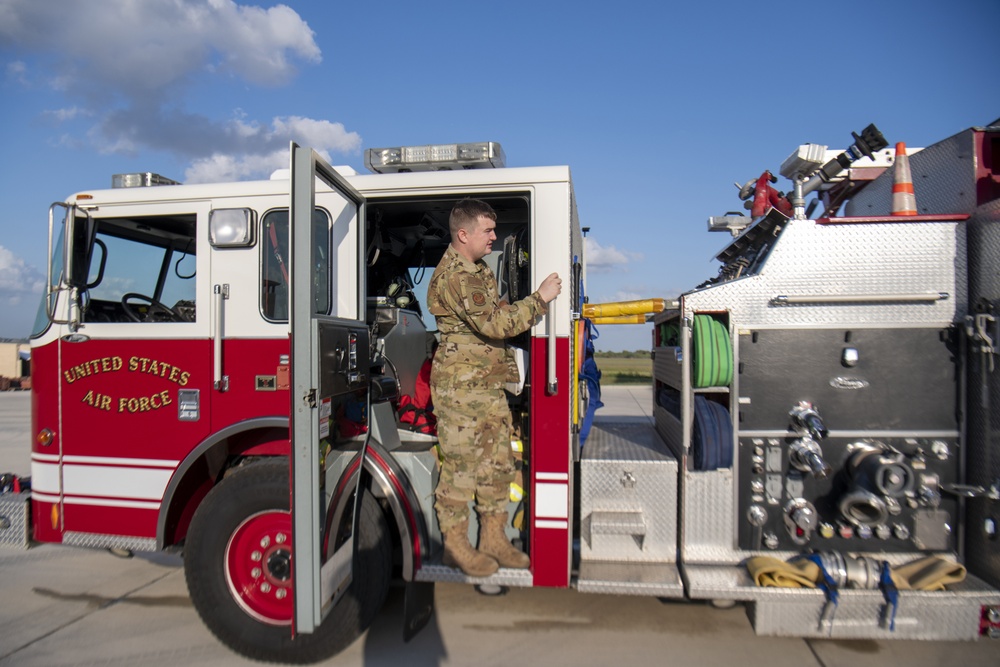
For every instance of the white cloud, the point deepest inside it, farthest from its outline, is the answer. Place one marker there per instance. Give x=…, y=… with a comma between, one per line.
x=17, y=70
x=265, y=149
x=63, y=115
x=17, y=279
x=131, y=62
x=142, y=47
x=603, y=259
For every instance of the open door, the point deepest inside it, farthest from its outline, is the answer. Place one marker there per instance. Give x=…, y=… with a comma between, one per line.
x=329, y=375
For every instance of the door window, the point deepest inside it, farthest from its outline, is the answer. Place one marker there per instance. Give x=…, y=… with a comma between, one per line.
x=275, y=268
x=143, y=270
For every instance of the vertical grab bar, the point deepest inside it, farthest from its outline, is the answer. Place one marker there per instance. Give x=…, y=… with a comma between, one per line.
x=550, y=326
x=220, y=294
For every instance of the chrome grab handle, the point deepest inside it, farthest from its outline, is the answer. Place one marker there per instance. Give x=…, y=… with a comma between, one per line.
x=219, y=295
x=550, y=325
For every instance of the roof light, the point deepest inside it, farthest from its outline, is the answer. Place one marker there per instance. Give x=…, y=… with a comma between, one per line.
x=435, y=157
x=142, y=179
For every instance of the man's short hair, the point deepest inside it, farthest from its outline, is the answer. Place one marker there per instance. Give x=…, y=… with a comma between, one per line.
x=466, y=212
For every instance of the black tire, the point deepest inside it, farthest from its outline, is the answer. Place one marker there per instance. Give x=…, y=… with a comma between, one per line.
x=251, y=502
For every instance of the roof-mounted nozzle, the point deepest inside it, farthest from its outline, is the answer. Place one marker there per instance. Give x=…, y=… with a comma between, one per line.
x=808, y=174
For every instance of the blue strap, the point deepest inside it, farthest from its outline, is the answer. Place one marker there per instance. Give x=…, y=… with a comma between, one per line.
x=828, y=585
x=890, y=593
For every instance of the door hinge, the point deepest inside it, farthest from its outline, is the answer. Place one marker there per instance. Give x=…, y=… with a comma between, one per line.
x=310, y=398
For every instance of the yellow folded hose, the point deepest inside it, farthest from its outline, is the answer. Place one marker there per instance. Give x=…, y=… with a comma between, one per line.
x=930, y=573
x=615, y=308
x=771, y=572
x=927, y=574
x=619, y=319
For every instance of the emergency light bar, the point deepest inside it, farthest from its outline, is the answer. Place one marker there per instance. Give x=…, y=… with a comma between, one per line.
x=143, y=179
x=436, y=157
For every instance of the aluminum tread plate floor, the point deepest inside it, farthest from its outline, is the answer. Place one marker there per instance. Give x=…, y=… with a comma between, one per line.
x=502, y=577
x=625, y=440
x=653, y=579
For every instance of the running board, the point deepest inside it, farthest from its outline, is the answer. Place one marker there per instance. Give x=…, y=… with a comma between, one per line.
x=654, y=579
x=503, y=577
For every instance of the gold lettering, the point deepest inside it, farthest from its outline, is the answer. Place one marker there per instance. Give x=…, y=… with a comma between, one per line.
x=70, y=377
x=143, y=404
x=174, y=371
x=121, y=404
x=97, y=400
x=184, y=378
x=165, y=397
x=133, y=363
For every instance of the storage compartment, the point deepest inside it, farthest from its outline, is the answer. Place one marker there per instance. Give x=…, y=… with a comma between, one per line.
x=15, y=519
x=628, y=492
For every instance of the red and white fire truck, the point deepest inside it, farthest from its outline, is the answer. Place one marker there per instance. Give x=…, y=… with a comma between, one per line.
x=219, y=368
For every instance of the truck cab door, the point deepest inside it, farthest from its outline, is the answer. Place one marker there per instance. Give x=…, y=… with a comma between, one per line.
x=329, y=377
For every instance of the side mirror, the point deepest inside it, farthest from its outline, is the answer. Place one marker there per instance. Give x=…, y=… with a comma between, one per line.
x=82, y=235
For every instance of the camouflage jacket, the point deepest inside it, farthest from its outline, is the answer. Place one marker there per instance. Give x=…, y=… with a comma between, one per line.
x=473, y=323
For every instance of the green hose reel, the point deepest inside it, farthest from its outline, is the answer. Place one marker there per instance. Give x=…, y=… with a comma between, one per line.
x=713, y=353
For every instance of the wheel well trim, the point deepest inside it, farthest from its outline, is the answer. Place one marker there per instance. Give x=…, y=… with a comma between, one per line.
x=197, y=453
x=392, y=481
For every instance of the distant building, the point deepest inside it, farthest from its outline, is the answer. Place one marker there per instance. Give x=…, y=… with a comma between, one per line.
x=14, y=359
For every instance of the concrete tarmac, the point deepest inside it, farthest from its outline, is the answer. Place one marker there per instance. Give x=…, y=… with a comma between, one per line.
x=66, y=606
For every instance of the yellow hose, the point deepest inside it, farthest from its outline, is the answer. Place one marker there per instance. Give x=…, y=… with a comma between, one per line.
x=620, y=319
x=616, y=308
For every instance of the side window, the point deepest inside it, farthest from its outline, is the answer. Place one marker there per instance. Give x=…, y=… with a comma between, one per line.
x=143, y=270
x=275, y=269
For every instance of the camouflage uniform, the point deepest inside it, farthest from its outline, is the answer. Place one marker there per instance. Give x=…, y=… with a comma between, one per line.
x=467, y=379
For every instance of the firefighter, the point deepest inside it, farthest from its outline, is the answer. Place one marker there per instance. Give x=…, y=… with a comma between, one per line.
x=467, y=380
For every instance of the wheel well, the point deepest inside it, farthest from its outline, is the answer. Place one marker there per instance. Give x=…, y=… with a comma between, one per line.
x=205, y=467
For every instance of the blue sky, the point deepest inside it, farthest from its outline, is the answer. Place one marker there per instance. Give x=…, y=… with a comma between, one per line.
x=657, y=107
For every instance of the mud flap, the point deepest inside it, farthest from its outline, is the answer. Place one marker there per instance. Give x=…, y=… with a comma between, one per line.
x=418, y=607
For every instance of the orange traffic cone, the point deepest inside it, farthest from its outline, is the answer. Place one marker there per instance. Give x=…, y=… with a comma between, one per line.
x=904, y=202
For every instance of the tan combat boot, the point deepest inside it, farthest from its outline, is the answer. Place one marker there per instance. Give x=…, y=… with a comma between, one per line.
x=493, y=542
x=458, y=552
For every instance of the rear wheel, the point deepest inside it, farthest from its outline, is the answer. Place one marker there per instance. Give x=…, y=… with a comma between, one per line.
x=237, y=561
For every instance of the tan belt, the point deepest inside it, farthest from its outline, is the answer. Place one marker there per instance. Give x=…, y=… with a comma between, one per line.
x=467, y=339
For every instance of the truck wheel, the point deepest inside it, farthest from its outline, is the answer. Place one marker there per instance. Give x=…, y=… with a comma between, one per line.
x=237, y=561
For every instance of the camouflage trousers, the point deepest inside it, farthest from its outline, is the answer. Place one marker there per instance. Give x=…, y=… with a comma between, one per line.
x=474, y=437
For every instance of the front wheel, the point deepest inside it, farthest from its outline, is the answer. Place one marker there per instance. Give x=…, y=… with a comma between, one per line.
x=237, y=561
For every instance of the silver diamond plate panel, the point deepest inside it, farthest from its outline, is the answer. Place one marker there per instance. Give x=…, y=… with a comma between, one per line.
x=947, y=615
x=99, y=541
x=625, y=468
x=920, y=615
x=707, y=518
x=670, y=430
x=944, y=181
x=655, y=579
x=502, y=577
x=667, y=365
x=863, y=260
x=15, y=522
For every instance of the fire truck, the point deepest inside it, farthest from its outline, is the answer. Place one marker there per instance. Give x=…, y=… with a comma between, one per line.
x=220, y=369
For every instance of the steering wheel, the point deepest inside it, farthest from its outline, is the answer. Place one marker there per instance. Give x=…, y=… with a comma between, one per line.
x=157, y=311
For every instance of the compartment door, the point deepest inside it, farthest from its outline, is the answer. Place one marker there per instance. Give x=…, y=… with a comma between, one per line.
x=330, y=365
